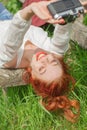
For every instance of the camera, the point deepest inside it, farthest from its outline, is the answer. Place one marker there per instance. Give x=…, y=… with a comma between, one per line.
x=66, y=9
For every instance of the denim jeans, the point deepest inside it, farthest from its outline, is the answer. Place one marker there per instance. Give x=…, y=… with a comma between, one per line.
x=4, y=13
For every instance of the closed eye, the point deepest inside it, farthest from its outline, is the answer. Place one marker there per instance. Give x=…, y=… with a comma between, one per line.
x=54, y=62
x=42, y=70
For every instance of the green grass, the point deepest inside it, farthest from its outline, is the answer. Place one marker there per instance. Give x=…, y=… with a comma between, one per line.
x=20, y=109
x=85, y=20
x=12, y=5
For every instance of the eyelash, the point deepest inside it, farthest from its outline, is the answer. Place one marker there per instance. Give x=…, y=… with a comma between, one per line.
x=41, y=69
x=54, y=62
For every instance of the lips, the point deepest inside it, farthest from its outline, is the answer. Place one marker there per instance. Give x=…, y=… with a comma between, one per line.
x=40, y=55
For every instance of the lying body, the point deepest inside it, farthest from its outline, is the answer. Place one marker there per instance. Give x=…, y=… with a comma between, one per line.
x=23, y=45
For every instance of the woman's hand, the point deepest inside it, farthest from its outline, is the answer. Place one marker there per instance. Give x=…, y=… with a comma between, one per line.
x=40, y=9
x=85, y=5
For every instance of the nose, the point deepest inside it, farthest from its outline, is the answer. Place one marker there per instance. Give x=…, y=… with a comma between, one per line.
x=50, y=58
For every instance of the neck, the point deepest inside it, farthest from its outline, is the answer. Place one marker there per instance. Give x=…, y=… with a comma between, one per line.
x=30, y=50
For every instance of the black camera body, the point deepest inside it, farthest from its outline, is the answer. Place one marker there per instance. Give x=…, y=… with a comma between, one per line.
x=66, y=9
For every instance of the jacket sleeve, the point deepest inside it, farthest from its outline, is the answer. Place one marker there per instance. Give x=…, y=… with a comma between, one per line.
x=13, y=38
x=59, y=41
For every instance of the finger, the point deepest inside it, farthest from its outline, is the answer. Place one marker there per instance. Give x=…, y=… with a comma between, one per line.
x=42, y=13
x=53, y=21
x=85, y=11
x=60, y=21
x=51, y=1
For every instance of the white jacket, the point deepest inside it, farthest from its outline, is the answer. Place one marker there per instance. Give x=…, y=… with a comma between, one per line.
x=14, y=33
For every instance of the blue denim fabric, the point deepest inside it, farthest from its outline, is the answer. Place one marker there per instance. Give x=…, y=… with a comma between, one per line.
x=1, y=7
x=4, y=13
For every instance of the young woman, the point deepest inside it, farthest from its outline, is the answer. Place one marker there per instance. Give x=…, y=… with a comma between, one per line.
x=23, y=45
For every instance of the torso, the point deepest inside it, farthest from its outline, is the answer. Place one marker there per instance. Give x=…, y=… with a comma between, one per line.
x=25, y=59
x=27, y=55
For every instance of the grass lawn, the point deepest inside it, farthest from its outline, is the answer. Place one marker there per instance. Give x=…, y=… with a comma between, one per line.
x=20, y=110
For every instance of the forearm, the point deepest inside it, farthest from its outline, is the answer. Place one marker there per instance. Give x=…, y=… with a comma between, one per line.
x=27, y=12
x=60, y=39
x=14, y=35
x=61, y=36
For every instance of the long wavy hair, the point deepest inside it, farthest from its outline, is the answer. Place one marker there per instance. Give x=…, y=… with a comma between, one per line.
x=54, y=95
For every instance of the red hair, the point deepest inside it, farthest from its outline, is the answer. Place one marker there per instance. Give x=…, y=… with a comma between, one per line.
x=54, y=95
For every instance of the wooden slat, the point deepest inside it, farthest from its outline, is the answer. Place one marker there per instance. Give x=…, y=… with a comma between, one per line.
x=10, y=78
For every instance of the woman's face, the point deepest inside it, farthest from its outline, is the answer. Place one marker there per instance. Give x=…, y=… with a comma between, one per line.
x=46, y=67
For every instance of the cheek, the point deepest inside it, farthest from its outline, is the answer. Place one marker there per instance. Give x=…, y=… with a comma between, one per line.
x=33, y=64
x=33, y=67
x=33, y=61
x=34, y=74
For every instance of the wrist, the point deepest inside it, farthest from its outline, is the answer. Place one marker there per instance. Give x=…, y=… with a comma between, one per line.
x=27, y=12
